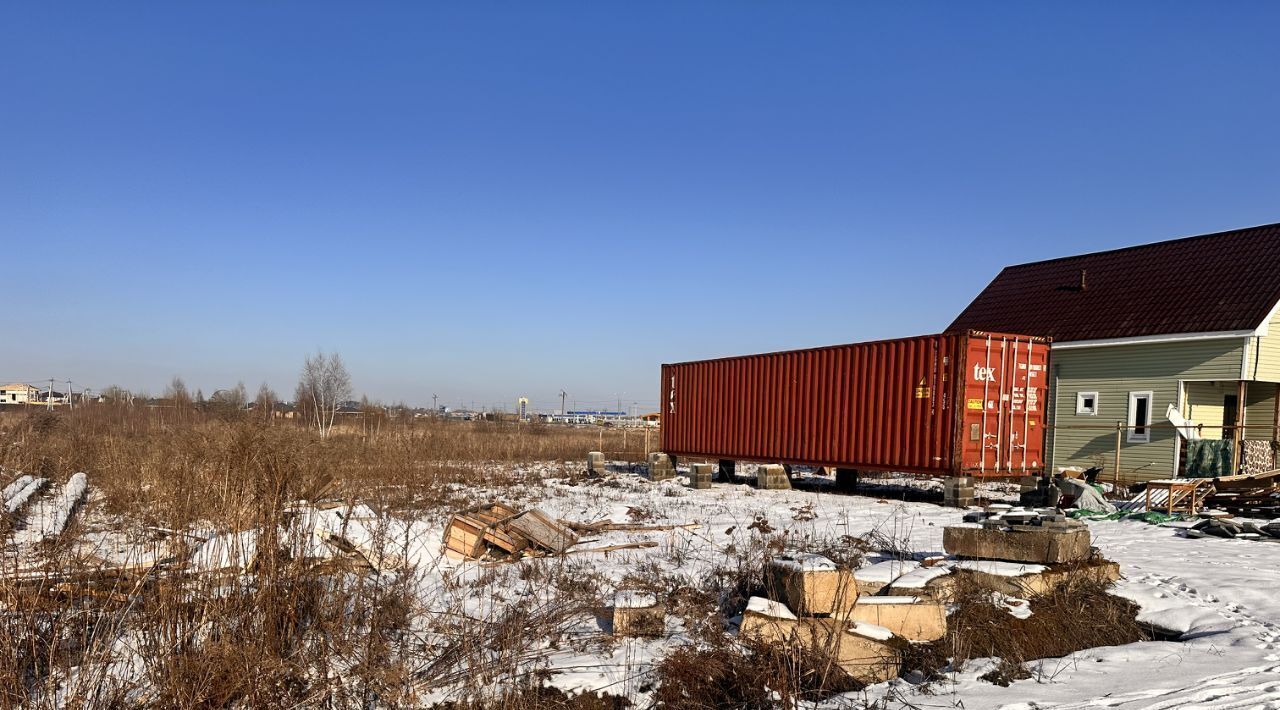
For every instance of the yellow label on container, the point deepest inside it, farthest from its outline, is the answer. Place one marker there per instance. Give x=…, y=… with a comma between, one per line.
x=975, y=404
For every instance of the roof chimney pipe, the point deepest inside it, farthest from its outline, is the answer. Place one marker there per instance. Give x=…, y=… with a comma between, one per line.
x=1083, y=283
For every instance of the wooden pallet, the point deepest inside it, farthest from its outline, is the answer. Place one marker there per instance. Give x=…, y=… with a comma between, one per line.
x=468, y=533
x=1176, y=495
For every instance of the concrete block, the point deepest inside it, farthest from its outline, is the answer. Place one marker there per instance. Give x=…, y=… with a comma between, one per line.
x=866, y=659
x=638, y=614
x=910, y=617
x=810, y=584
x=700, y=475
x=1037, y=545
x=1047, y=581
x=773, y=477
x=596, y=462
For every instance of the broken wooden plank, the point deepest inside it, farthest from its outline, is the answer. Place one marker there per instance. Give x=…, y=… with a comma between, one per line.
x=542, y=530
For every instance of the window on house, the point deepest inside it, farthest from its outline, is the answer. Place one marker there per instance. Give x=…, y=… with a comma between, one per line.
x=1139, y=417
x=1087, y=403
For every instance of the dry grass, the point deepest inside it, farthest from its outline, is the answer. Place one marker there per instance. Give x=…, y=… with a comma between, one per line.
x=1073, y=618
x=289, y=634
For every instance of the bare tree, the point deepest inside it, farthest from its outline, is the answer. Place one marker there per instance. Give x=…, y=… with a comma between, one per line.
x=322, y=387
x=177, y=393
x=264, y=405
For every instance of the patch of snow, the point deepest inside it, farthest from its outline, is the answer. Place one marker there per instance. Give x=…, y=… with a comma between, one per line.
x=49, y=517
x=768, y=607
x=1017, y=607
x=631, y=599
x=871, y=631
x=884, y=572
x=888, y=600
x=918, y=578
x=20, y=498
x=805, y=562
x=999, y=568
x=16, y=485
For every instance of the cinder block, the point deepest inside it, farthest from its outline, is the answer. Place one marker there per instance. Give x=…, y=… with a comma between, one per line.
x=700, y=475
x=811, y=584
x=660, y=467
x=1037, y=545
x=773, y=477
x=866, y=659
x=906, y=616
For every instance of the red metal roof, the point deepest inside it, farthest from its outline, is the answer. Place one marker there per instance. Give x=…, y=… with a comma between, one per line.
x=1210, y=283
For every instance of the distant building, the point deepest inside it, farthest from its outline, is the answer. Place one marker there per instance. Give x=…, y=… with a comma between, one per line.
x=19, y=393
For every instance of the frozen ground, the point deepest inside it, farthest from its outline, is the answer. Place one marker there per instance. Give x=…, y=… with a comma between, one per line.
x=1222, y=595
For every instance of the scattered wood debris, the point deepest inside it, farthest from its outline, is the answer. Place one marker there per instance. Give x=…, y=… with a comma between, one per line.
x=478, y=531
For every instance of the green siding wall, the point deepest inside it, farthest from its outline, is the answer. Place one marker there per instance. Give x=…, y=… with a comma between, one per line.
x=1115, y=371
x=1264, y=354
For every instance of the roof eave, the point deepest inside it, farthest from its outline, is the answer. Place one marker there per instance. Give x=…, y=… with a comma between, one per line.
x=1158, y=338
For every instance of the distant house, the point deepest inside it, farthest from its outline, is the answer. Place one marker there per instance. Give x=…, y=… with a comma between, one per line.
x=18, y=393
x=1151, y=338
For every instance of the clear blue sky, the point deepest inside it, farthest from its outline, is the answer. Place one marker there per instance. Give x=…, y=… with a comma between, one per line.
x=488, y=200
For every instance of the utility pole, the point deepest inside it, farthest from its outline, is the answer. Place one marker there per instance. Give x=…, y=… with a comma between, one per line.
x=48, y=400
x=563, y=394
x=434, y=408
x=71, y=403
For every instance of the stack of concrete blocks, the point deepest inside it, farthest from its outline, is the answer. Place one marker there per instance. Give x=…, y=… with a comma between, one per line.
x=773, y=477
x=595, y=462
x=660, y=467
x=638, y=614
x=1038, y=491
x=700, y=475
x=1051, y=551
x=829, y=613
x=958, y=492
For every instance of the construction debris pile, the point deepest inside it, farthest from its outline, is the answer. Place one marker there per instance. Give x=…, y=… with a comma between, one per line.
x=1255, y=496
x=495, y=531
x=864, y=618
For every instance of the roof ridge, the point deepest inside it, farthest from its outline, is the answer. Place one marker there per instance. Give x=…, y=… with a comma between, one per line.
x=1147, y=245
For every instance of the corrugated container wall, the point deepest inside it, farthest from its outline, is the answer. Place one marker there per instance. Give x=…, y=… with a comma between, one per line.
x=954, y=403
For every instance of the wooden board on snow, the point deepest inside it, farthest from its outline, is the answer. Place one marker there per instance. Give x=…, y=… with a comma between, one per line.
x=543, y=531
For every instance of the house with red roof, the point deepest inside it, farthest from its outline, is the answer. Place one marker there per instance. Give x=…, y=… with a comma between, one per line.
x=1169, y=352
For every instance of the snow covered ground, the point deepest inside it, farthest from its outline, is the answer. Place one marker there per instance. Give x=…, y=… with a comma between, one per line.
x=1222, y=595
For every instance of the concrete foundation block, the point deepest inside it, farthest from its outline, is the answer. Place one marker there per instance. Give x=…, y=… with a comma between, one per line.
x=638, y=615
x=700, y=475
x=1044, y=582
x=596, y=462
x=866, y=659
x=773, y=477
x=810, y=585
x=660, y=467
x=1036, y=545
x=910, y=617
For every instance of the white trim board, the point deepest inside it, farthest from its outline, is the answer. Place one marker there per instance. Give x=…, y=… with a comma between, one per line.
x=1144, y=339
x=1261, y=330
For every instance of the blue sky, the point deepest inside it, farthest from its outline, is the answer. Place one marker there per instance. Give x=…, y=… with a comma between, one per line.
x=489, y=200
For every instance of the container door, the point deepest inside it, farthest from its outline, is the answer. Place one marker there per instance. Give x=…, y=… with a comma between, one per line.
x=1004, y=393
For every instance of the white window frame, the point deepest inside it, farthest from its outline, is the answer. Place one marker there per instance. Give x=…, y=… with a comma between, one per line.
x=1083, y=410
x=1145, y=437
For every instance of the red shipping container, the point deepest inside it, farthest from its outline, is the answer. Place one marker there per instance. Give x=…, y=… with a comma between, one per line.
x=957, y=403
